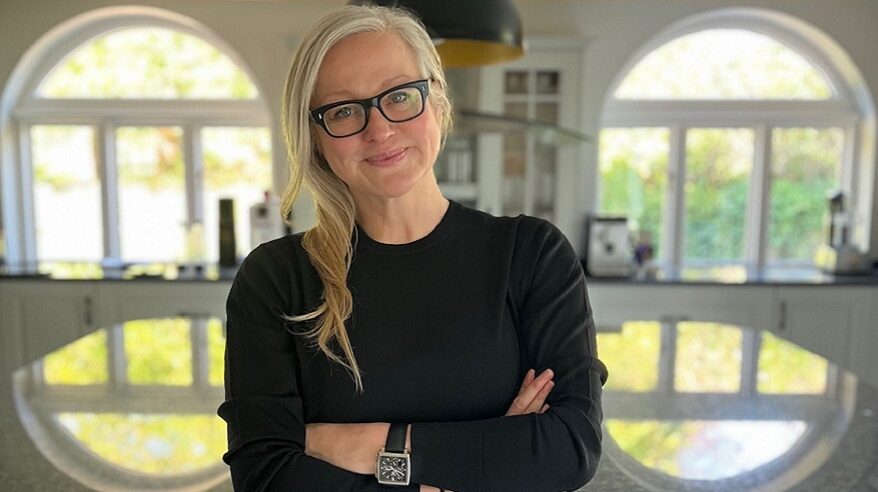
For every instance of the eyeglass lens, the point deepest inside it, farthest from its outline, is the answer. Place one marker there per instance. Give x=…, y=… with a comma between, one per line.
x=397, y=106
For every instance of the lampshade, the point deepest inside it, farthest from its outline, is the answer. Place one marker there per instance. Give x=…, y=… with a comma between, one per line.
x=467, y=33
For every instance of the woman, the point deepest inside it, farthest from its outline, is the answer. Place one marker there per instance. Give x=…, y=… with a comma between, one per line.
x=458, y=345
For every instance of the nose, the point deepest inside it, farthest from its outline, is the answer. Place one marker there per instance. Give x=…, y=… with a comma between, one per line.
x=378, y=129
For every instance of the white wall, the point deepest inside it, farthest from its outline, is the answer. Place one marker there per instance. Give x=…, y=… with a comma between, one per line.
x=264, y=34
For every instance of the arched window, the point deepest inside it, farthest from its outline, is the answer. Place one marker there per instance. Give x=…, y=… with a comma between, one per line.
x=131, y=123
x=723, y=138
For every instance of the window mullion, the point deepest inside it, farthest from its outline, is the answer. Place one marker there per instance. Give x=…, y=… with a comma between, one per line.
x=674, y=210
x=756, y=227
x=194, y=164
x=26, y=211
x=750, y=344
x=108, y=169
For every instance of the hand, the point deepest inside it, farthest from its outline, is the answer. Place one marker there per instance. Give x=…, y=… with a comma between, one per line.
x=532, y=395
x=352, y=447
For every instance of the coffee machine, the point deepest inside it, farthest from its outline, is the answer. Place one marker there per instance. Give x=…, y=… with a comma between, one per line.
x=838, y=256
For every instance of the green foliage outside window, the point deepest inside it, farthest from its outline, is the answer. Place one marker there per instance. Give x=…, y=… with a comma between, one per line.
x=718, y=163
x=216, y=350
x=724, y=64
x=159, y=352
x=806, y=165
x=147, y=63
x=631, y=356
x=154, y=444
x=82, y=362
x=785, y=368
x=633, y=166
x=708, y=358
x=151, y=157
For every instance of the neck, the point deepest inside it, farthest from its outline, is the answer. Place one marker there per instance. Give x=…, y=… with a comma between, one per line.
x=403, y=219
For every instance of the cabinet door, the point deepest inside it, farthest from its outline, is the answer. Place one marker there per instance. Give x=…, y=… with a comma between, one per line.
x=42, y=316
x=822, y=319
x=123, y=301
x=615, y=304
x=864, y=340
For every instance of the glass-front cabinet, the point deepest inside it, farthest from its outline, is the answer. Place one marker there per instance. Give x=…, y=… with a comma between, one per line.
x=515, y=141
x=533, y=170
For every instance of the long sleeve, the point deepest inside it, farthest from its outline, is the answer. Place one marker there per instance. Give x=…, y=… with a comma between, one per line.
x=557, y=450
x=264, y=407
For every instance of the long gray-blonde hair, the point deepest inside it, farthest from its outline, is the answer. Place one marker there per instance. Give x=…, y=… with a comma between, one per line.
x=328, y=243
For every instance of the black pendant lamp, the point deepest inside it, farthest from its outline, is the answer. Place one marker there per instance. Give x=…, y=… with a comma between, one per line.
x=466, y=32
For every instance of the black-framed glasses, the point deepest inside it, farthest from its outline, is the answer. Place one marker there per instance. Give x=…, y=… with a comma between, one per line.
x=397, y=104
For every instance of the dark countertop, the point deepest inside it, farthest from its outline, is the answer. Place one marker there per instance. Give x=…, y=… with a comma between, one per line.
x=172, y=272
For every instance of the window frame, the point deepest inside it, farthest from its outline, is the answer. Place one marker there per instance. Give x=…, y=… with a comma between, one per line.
x=25, y=110
x=844, y=110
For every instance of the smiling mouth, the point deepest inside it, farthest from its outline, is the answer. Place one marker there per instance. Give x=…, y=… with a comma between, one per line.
x=387, y=158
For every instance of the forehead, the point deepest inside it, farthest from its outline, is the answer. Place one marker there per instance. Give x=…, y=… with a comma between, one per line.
x=362, y=65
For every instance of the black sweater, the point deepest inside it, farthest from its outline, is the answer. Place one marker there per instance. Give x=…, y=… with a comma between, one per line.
x=444, y=329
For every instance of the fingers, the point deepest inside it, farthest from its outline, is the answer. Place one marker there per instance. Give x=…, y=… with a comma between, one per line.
x=528, y=379
x=533, y=393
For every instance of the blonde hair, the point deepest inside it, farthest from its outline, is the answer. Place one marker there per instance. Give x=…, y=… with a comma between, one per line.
x=328, y=243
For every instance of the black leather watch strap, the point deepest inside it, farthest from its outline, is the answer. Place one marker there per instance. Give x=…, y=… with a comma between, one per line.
x=396, y=438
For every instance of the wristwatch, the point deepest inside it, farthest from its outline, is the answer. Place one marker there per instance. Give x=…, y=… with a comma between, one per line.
x=394, y=463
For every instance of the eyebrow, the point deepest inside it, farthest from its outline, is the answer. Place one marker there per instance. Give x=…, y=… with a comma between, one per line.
x=337, y=95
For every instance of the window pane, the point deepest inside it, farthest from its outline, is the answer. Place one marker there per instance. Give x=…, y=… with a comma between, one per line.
x=67, y=193
x=82, y=362
x=237, y=164
x=724, y=64
x=632, y=356
x=718, y=164
x=216, y=347
x=152, y=201
x=154, y=444
x=158, y=352
x=805, y=166
x=708, y=358
x=634, y=166
x=785, y=368
x=148, y=63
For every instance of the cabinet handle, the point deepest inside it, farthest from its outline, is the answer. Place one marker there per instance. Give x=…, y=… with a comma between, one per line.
x=87, y=315
x=782, y=321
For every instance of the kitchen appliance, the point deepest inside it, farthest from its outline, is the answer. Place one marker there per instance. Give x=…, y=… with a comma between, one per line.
x=839, y=256
x=608, y=247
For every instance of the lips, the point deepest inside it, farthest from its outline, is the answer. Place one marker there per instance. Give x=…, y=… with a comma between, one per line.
x=388, y=158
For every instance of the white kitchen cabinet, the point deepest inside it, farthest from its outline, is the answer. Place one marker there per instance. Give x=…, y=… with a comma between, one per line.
x=39, y=316
x=125, y=301
x=826, y=320
x=864, y=340
x=615, y=303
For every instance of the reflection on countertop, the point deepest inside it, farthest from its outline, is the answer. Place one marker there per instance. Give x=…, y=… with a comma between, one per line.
x=72, y=270
x=689, y=406
x=740, y=275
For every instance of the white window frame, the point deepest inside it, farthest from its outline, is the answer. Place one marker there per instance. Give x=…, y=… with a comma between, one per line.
x=22, y=109
x=851, y=109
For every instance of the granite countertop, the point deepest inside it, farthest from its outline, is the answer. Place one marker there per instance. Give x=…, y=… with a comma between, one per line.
x=211, y=272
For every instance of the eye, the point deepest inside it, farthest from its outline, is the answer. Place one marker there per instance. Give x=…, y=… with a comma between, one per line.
x=340, y=113
x=399, y=97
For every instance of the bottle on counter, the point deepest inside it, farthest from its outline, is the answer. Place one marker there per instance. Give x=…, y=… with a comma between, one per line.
x=228, y=255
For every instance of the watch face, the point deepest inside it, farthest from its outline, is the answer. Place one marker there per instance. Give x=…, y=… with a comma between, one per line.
x=393, y=469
